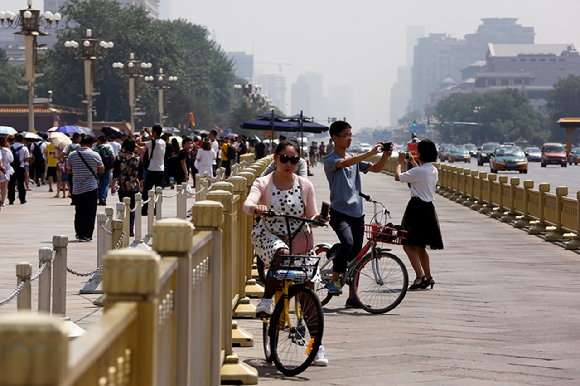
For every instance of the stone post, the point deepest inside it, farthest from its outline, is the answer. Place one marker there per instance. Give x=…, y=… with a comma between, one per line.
x=131, y=275
x=60, y=245
x=174, y=238
x=208, y=216
x=500, y=210
x=540, y=226
x=558, y=234
x=479, y=203
x=138, y=217
x=44, y=256
x=159, y=203
x=511, y=215
x=575, y=243
x=488, y=207
x=24, y=297
x=34, y=348
x=524, y=221
x=127, y=220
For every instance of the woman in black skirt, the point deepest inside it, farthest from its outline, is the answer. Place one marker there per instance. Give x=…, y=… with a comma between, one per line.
x=420, y=218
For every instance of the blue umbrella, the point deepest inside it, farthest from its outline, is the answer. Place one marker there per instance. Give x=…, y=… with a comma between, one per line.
x=7, y=130
x=68, y=129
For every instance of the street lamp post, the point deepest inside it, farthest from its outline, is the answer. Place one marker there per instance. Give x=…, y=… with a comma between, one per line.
x=30, y=20
x=91, y=50
x=133, y=69
x=161, y=82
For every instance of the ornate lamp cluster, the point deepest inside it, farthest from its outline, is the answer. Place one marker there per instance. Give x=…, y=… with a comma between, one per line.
x=90, y=50
x=161, y=82
x=30, y=20
x=132, y=69
x=253, y=97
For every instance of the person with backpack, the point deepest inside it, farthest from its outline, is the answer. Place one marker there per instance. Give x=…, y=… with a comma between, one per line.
x=6, y=159
x=228, y=155
x=107, y=156
x=38, y=161
x=21, y=155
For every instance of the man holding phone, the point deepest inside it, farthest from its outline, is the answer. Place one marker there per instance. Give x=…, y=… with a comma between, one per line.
x=156, y=167
x=346, y=206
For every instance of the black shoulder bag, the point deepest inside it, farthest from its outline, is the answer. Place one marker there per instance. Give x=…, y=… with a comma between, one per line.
x=91, y=169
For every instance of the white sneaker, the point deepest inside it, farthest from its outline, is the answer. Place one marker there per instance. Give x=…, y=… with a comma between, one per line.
x=321, y=359
x=266, y=306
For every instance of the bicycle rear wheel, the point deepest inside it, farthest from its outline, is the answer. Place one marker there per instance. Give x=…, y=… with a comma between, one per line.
x=325, y=269
x=380, y=282
x=295, y=337
x=266, y=342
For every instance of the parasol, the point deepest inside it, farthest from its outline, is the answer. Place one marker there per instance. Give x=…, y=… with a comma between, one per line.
x=110, y=130
x=32, y=136
x=59, y=140
x=68, y=129
x=7, y=130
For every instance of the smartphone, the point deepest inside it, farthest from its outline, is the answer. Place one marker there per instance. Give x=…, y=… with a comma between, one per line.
x=387, y=146
x=325, y=209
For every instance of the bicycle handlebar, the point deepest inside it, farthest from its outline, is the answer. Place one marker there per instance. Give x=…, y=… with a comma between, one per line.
x=271, y=213
x=366, y=196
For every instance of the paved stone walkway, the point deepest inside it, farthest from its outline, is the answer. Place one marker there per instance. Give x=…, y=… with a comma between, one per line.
x=505, y=309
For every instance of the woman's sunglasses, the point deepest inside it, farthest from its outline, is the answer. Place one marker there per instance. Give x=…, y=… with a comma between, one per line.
x=293, y=160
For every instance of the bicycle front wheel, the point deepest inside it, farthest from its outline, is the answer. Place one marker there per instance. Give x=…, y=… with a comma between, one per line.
x=380, y=282
x=325, y=270
x=296, y=328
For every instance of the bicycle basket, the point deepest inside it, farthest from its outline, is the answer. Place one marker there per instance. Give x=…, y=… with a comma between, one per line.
x=299, y=269
x=390, y=234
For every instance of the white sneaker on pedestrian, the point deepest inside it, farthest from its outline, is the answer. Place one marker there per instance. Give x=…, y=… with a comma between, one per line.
x=266, y=306
x=321, y=359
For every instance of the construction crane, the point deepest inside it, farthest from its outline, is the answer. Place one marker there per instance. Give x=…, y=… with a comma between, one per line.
x=277, y=64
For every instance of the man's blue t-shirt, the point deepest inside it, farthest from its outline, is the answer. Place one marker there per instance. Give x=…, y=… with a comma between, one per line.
x=345, y=185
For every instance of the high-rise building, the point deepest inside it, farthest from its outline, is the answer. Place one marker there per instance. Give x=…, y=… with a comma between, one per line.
x=401, y=90
x=301, y=97
x=243, y=64
x=274, y=86
x=440, y=56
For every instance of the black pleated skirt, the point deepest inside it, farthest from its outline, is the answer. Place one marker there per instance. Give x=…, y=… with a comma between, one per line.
x=420, y=219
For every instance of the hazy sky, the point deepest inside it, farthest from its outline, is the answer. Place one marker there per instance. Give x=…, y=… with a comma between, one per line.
x=355, y=42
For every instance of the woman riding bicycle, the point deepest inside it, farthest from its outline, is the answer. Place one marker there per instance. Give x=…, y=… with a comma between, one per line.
x=283, y=192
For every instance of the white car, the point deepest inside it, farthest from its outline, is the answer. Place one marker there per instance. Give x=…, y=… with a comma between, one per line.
x=363, y=147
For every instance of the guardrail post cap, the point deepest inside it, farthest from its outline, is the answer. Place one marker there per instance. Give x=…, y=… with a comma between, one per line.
x=224, y=197
x=23, y=270
x=482, y=175
x=207, y=214
x=130, y=272
x=60, y=241
x=33, y=341
x=223, y=185
x=528, y=184
x=45, y=254
x=544, y=187
x=466, y=171
x=503, y=179
x=561, y=190
x=515, y=181
x=172, y=235
x=109, y=211
x=492, y=177
x=474, y=173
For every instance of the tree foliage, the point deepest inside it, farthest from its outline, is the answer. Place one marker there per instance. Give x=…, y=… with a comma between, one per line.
x=205, y=77
x=410, y=117
x=490, y=117
x=10, y=77
x=563, y=102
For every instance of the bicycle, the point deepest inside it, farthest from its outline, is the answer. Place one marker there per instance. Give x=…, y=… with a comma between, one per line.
x=293, y=333
x=378, y=277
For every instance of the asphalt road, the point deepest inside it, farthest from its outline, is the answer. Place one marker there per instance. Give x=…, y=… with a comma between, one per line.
x=554, y=175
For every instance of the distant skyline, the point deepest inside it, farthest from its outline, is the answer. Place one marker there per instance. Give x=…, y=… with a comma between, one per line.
x=358, y=44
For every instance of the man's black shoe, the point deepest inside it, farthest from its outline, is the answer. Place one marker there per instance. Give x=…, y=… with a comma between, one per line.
x=23, y=202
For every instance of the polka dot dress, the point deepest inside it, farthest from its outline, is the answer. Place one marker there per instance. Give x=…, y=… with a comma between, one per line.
x=266, y=236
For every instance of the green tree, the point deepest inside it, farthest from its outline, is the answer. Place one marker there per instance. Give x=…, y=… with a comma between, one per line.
x=410, y=117
x=205, y=76
x=562, y=101
x=10, y=77
x=490, y=116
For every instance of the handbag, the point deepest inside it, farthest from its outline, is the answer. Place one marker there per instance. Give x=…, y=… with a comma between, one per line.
x=91, y=169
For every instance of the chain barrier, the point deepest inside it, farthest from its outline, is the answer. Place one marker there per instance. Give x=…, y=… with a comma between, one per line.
x=146, y=201
x=170, y=196
x=104, y=227
x=70, y=270
x=157, y=196
x=40, y=270
x=14, y=294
